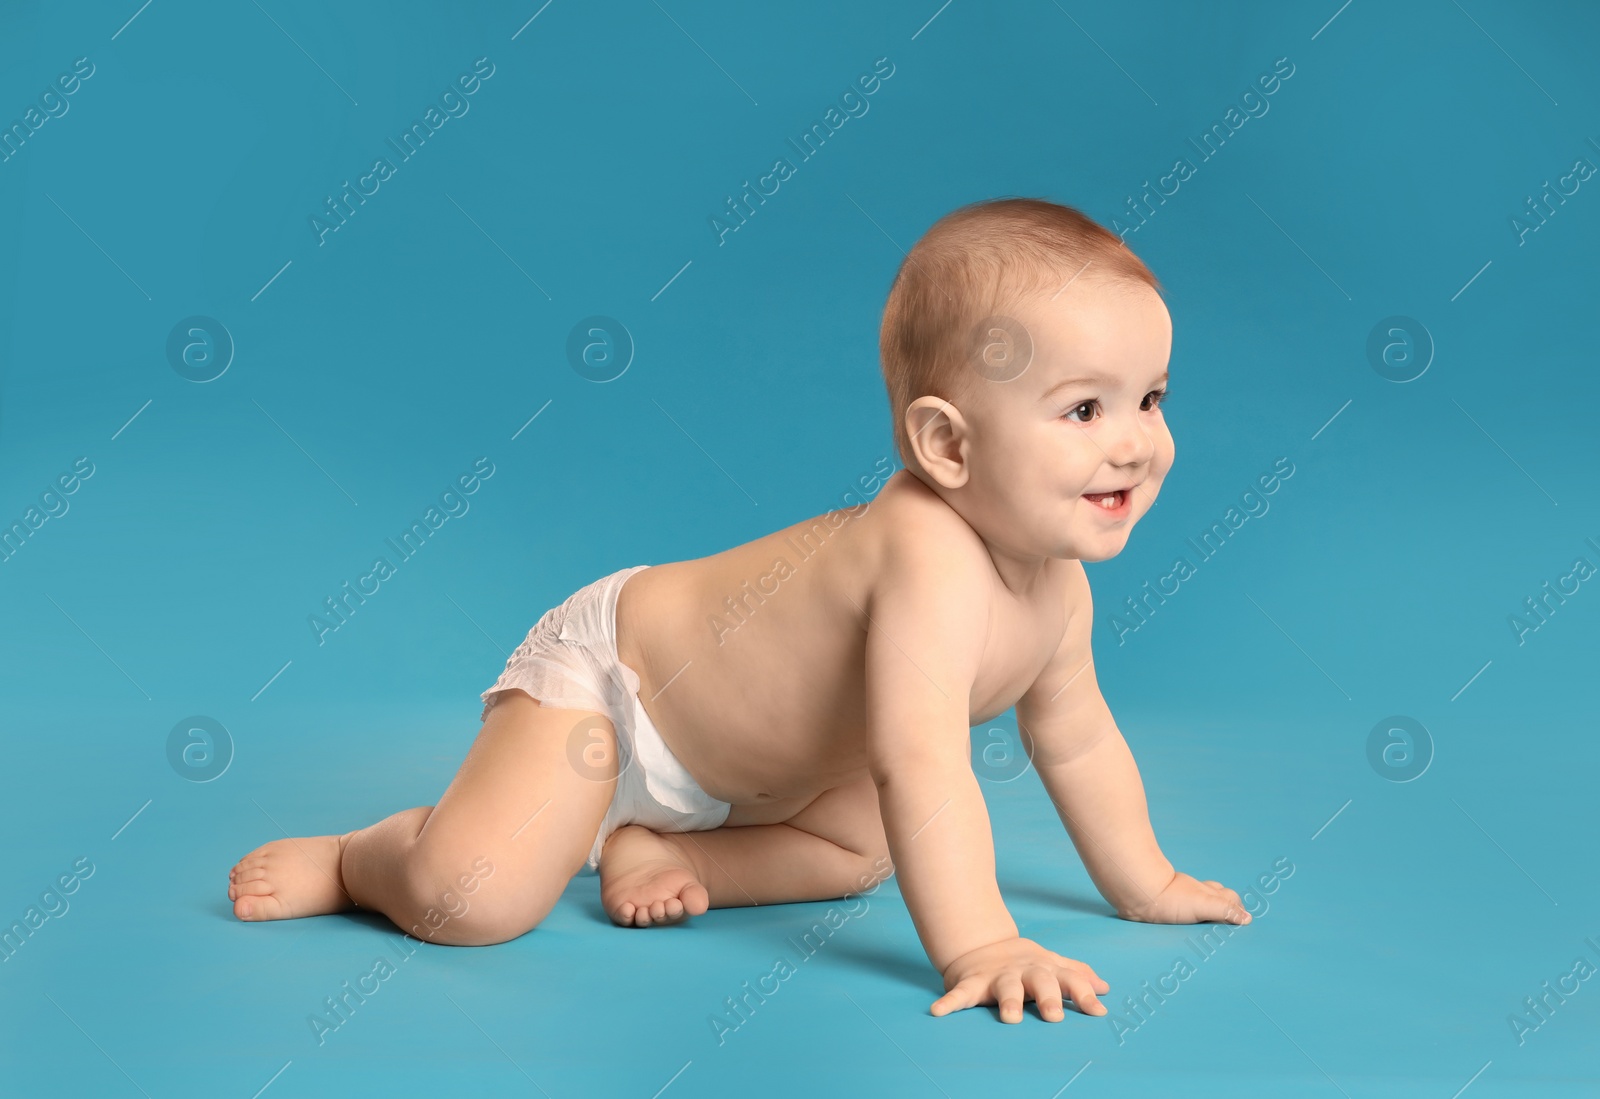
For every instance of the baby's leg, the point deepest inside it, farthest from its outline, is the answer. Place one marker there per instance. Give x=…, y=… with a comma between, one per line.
x=832, y=847
x=485, y=864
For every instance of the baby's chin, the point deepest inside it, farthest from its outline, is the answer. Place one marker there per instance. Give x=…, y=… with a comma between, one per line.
x=1102, y=548
x=1090, y=555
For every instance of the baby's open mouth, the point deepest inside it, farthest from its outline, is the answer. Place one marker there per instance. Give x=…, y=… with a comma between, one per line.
x=1110, y=501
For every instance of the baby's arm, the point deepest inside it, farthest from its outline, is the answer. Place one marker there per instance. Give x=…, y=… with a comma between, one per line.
x=927, y=622
x=1091, y=777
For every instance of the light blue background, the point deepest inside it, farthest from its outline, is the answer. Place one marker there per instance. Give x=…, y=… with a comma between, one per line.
x=422, y=335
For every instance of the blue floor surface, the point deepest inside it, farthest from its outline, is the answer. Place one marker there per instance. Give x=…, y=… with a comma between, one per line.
x=1385, y=961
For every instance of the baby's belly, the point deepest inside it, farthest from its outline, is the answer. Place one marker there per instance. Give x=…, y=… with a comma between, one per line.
x=750, y=755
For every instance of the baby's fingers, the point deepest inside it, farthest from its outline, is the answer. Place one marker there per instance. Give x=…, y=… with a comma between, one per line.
x=1083, y=970
x=967, y=993
x=1045, y=990
x=1010, y=995
x=1081, y=991
x=1072, y=965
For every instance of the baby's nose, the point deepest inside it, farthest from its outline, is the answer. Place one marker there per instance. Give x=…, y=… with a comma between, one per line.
x=1130, y=444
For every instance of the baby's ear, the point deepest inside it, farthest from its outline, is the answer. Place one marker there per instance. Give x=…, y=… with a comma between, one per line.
x=938, y=437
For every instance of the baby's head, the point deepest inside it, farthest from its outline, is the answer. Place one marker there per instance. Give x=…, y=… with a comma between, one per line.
x=1025, y=352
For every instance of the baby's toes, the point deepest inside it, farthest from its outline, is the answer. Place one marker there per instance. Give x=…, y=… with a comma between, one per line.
x=239, y=878
x=258, y=887
x=262, y=906
x=695, y=899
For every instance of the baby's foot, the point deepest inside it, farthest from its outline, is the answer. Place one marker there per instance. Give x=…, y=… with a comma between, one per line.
x=644, y=879
x=290, y=878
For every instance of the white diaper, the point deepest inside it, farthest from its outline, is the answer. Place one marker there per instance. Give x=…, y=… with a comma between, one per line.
x=569, y=660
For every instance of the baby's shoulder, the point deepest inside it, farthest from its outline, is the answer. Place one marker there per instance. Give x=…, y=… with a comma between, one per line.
x=924, y=589
x=920, y=543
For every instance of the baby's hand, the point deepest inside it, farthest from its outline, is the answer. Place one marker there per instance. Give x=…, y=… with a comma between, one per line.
x=1186, y=900
x=1013, y=971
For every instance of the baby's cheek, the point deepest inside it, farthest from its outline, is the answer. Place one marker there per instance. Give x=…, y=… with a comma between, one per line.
x=1166, y=452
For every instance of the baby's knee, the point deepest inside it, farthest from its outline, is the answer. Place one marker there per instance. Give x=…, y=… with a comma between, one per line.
x=870, y=869
x=458, y=904
x=873, y=861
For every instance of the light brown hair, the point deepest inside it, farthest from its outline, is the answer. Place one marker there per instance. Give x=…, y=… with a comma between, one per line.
x=975, y=263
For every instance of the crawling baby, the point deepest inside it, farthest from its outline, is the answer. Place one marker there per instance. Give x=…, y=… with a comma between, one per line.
x=788, y=720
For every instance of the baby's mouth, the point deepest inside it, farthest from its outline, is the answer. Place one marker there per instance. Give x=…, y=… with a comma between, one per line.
x=1110, y=501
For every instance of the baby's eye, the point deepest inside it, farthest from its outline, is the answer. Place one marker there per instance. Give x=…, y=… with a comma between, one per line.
x=1153, y=400
x=1090, y=405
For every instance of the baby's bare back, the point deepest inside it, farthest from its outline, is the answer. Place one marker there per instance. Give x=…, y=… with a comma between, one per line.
x=752, y=661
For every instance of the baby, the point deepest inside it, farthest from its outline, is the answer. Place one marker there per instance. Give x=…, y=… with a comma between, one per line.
x=788, y=720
